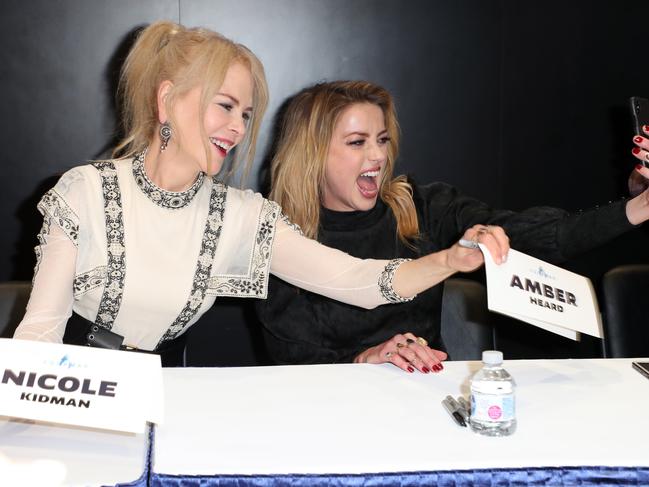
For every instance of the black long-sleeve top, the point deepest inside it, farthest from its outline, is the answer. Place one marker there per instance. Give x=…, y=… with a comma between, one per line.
x=305, y=328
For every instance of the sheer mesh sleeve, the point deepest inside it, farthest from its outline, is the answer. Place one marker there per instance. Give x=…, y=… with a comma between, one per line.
x=50, y=303
x=312, y=266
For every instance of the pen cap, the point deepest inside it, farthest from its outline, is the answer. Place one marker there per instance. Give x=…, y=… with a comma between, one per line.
x=492, y=357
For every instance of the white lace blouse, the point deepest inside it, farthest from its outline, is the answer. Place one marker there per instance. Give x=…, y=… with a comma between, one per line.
x=147, y=263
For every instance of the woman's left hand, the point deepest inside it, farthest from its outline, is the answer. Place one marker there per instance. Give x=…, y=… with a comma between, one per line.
x=407, y=352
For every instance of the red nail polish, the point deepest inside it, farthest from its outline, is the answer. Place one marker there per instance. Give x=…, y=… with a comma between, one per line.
x=636, y=150
x=441, y=367
x=425, y=370
x=645, y=128
x=638, y=167
x=436, y=368
x=410, y=369
x=637, y=140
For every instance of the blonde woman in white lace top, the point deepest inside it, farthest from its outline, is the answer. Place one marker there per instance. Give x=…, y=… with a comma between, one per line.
x=143, y=244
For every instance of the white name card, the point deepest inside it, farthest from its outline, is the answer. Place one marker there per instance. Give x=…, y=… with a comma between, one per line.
x=84, y=386
x=543, y=295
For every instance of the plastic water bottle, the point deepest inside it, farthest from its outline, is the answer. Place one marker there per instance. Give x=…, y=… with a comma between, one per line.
x=493, y=410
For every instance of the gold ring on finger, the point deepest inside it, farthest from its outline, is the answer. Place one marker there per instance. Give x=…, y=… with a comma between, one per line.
x=422, y=341
x=409, y=341
x=400, y=345
x=388, y=355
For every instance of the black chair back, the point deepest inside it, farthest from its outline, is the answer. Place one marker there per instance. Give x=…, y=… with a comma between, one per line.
x=626, y=311
x=466, y=331
x=13, y=301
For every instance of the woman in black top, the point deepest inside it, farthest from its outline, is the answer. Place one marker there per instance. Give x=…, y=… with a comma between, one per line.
x=333, y=175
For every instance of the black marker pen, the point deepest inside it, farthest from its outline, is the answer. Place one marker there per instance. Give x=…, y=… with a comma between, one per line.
x=455, y=414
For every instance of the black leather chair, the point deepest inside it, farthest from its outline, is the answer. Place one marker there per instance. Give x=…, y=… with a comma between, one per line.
x=626, y=311
x=13, y=301
x=465, y=320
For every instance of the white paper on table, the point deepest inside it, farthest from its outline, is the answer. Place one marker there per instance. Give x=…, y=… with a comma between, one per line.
x=543, y=295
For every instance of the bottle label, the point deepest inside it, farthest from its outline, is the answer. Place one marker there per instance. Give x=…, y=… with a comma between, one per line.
x=493, y=408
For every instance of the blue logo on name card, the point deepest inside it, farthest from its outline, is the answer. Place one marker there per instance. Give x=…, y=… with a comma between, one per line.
x=542, y=273
x=66, y=363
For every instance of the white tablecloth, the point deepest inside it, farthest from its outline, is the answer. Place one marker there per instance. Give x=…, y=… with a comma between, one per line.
x=369, y=418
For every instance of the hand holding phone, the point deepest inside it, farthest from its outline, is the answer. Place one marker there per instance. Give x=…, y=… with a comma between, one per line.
x=640, y=114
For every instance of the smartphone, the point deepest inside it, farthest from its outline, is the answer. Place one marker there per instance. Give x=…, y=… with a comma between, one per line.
x=639, y=113
x=642, y=367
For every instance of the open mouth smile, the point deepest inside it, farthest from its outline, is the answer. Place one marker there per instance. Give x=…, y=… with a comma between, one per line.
x=222, y=146
x=367, y=183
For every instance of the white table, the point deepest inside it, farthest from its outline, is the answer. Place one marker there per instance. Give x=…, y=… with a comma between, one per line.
x=365, y=419
x=50, y=455
x=237, y=425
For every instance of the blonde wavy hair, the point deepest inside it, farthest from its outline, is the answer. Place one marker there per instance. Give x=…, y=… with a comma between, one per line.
x=188, y=57
x=298, y=166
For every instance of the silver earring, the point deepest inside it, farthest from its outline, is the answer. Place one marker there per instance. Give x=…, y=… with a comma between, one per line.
x=165, y=135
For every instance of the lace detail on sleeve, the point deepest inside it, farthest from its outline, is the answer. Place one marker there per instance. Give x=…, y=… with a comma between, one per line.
x=385, y=282
x=56, y=210
x=293, y=226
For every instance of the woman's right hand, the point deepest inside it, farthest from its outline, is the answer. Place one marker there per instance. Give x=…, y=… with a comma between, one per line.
x=415, y=276
x=407, y=352
x=466, y=256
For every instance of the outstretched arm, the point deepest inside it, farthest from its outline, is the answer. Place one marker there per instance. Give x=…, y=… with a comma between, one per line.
x=420, y=274
x=368, y=283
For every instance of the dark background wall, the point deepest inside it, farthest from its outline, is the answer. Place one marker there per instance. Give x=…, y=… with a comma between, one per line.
x=517, y=102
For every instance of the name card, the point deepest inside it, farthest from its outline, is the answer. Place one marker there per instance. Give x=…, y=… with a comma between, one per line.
x=84, y=386
x=543, y=295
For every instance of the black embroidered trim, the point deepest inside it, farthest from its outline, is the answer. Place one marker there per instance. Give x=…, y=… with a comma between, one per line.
x=255, y=284
x=166, y=199
x=385, y=282
x=292, y=225
x=42, y=240
x=209, y=244
x=54, y=206
x=111, y=299
x=90, y=280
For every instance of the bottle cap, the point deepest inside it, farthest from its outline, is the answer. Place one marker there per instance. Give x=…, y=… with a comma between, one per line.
x=492, y=357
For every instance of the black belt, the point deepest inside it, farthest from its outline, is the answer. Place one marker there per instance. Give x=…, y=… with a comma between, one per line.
x=103, y=338
x=80, y=331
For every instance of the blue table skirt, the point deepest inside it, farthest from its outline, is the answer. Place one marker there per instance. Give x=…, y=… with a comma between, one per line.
x=496, y=477
x=554, y=476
